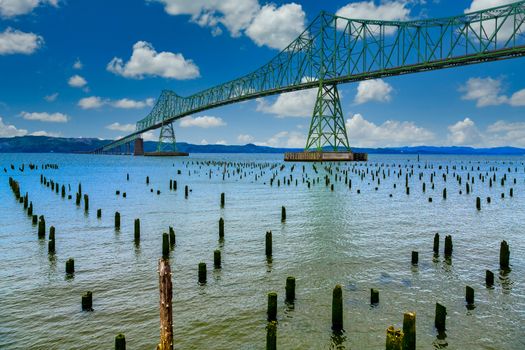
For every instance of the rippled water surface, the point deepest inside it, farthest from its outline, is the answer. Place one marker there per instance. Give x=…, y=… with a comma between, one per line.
x=359, y=240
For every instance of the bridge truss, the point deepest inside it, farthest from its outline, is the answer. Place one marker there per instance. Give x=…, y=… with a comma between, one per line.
x=335, y=50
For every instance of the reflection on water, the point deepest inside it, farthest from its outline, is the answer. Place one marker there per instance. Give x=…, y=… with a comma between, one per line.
x=357, y=236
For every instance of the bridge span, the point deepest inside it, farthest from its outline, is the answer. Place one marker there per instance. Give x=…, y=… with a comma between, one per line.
x=335, y=50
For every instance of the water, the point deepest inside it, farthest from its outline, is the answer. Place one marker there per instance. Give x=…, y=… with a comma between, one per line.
x=360, y=241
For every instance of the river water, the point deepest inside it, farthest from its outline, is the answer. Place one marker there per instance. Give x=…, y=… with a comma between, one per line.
x=359, y=240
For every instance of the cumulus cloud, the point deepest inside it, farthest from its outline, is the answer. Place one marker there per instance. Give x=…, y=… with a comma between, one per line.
x=127, y=103
x=386, y=10
x=270, y=25
x=290, y=104
x=363, y=133
x=500, y=133
x=121, y=127
x=245, y=138
x=288, y=139
x=13, y=41
x=202, y=122
x=91, y=102
x=276, y=27
x=12, y=8
x=373, y=90
x=7, y=130
x=45, y=133
x=489, y=92
x=145, y=61
x=52, y=97
x=78, y=64
x=46, y=117
x=77, y=81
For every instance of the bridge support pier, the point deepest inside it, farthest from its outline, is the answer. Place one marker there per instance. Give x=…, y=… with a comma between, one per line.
x=327, y=137
x=167, y=145
x=138, y=148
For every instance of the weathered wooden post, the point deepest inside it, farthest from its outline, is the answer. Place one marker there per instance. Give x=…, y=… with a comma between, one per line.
x=172, y=237
x=217, y=259
x=87, y=301
x=186, y=190
x=283, y=214
x=99, y=213
x=469, y=295
x=504, y=256
x=272, y=306
x=436, y=243
x=268, y=244
x=120, y=342
x=448, y=246
x=41, y=227
x=166, y=310
x=415, y=258
x=374, y=296
x=271, y=336
x=86, y=202
x=221, y=228
x=409, y=331
x=337, y=309
x=478, y=203
x=394, y=339
x=489, y=278
x=165, y=246
x=202, y=273
x=222, y=200
x=70, y=266
x=441, y=316
x=290, y=289
x=117, y=220
x=137, y=231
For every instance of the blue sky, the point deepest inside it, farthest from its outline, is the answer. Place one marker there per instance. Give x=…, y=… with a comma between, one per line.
x=79, y=68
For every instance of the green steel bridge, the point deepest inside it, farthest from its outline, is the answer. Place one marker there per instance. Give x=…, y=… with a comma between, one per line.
x=335, y=50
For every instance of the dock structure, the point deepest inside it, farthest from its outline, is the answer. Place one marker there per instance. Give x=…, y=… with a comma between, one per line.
x=325, y=157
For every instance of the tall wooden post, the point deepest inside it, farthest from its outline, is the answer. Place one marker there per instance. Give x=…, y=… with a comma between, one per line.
x=166, y=314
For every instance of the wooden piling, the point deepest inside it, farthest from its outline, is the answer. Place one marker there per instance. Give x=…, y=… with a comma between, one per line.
x=337, y=309
x=136, y=232
x=271, y=336
x=394, y=339
x=409, y=331
x=202, y=273
x=165, y=246
x=87, y=301
x=478, y=203
x=70, y=266
x=86, y=202
x=268, y=244
x=504, y=256
x=489, y=278
x=290, y=289
x=436, y=243
x=117, y=220
x=166, y=310
x=222, y=200
x=221, y=228
x=440, y=318
x=415, y=258
x=42, y=227
x=99, y=213
x=283, y=214
x=172, y=237
x=448, y=246
x=272, y=307
x=120, y=342
x=217, y=259
x=374, y=296
x=469, y=295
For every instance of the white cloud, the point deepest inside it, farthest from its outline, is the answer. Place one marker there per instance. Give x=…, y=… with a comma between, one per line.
x=464, y=133
x=12, y=8
x=235, y=15
x=52, y=97
x=276, y=27
x=46, y=117
x=13, y=41
x=145, y=61
x=7, y=130
x=287, y=139
x=91, y=102
x=363, y=133
x=245, y=138
x=150, y=136
x=77, y=81
x=221, y=142
x=78, y=64
x=45, y=133
x=373, y=90
x=386, y=10
x=127, y=103
x=500, y=133
x=518, y=99
x=290, y=104
x=121, y=127
x=506, y=28
x=485, y=91
x=202, y=122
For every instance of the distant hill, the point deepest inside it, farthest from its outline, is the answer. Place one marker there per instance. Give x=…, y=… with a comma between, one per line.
x=44, y=144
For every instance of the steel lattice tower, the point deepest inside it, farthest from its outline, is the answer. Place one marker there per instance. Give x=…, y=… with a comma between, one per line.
x=167, y=139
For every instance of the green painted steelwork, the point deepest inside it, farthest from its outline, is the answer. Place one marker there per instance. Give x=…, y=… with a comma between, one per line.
x=335, y=50
x=167, y=140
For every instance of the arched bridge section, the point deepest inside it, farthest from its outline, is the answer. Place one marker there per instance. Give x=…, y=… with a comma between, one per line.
x=334, y=50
